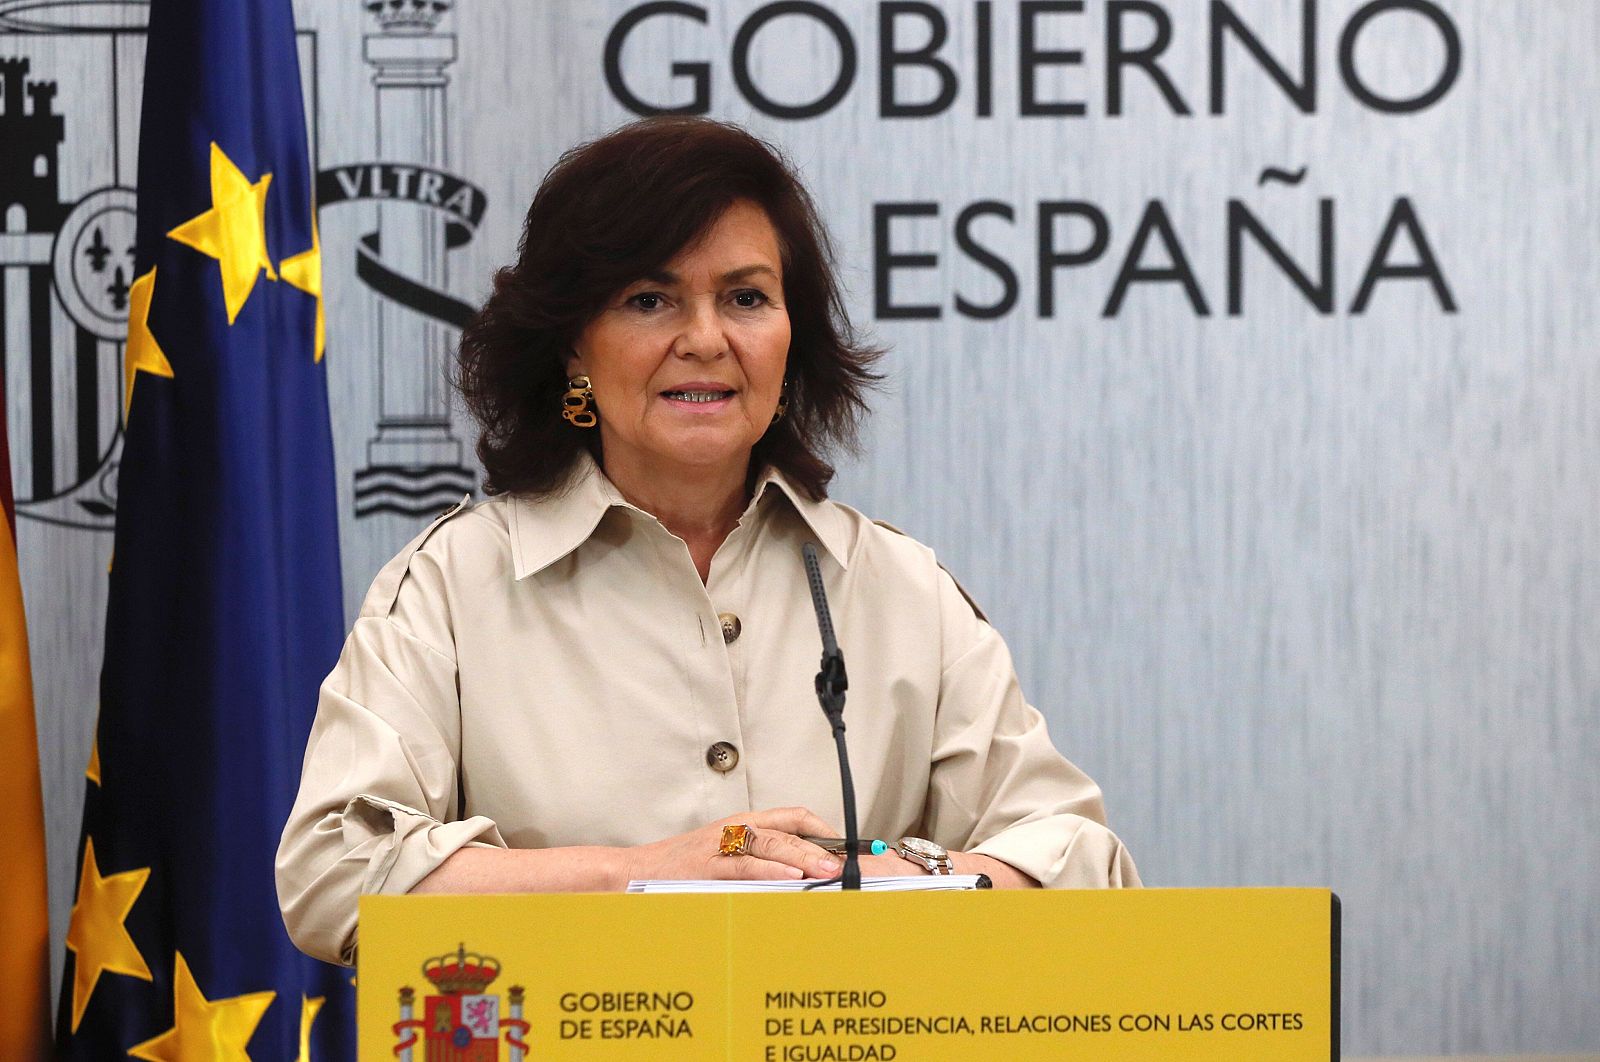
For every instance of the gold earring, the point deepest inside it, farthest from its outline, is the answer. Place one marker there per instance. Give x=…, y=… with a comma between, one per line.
x=783, y=403
x=575, y=403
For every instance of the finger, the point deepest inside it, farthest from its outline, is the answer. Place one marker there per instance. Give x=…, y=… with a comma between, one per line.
x=720, y=862
x=780, y=847
x=792, y=820
x=760, y=843
x=754, y=868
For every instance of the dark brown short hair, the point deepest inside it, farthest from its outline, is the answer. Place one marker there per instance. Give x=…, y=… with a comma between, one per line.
x=608, y=213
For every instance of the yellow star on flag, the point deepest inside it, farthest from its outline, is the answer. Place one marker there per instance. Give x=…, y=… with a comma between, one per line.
x=308, y=1016
x=233, y=231
x=96, y=933
x=142, y=353
x=205, y=1030
x=304, y=271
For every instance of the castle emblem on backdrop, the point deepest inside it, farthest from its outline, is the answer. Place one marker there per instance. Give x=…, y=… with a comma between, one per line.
x=414, y=464
x=70, y=80
x=69, y=102
x=462, y=1021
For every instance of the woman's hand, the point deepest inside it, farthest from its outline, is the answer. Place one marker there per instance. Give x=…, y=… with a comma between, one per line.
x=776, y=851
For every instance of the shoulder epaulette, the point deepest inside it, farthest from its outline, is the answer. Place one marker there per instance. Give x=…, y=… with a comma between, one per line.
x=386, y=587
x=976, y=611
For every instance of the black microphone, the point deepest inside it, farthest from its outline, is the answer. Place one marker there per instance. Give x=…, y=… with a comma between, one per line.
x=831, y=684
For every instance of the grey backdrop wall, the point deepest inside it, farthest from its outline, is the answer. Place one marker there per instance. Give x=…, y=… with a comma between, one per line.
x=1243, y=367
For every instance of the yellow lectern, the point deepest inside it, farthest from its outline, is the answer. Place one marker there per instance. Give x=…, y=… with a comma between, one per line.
x=1157, y=974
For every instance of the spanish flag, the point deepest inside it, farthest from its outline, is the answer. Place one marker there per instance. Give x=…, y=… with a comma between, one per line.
x=24, y=914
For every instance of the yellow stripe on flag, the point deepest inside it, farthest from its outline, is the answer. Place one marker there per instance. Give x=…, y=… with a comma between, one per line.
x=24, y=912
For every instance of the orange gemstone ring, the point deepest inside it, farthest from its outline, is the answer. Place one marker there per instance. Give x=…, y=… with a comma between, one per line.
x=735, y=840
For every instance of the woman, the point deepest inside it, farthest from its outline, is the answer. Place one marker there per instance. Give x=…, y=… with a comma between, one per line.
x=582, y=680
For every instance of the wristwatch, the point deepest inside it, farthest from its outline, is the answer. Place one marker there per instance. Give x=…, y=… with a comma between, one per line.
x=929, y=856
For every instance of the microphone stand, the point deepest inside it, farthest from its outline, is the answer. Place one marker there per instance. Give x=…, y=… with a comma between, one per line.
x=831, y=684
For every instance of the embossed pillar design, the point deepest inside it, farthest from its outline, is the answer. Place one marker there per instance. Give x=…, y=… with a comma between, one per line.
x=409, y=60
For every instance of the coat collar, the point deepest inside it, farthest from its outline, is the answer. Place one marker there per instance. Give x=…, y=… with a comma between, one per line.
x=546, y=529
x=825, y=519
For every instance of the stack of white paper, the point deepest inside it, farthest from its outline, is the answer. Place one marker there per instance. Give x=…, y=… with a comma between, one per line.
x=929, y=883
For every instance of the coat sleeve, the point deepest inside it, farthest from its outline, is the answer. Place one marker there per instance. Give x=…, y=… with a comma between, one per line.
x=377, y=807
x=998, y=786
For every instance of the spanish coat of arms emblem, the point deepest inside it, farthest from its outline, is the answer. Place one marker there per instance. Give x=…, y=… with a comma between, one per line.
x=462, y=1022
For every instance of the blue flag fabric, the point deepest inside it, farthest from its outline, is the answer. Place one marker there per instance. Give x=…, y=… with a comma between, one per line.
x=225, y=608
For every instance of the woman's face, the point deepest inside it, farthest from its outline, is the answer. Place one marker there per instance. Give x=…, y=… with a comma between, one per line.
x=687, y=364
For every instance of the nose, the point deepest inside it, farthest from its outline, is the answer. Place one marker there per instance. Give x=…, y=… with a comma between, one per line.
x=701, y=335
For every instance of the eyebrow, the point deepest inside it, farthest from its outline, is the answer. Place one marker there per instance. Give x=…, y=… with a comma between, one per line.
x=743, y=272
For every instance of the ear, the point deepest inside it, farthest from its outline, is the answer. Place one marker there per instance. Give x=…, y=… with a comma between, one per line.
x=574, y=364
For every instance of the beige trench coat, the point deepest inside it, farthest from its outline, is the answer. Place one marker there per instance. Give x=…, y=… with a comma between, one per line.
x=538, y=673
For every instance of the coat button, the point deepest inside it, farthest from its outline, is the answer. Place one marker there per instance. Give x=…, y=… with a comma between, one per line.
x=730, y=627
x=722, y=757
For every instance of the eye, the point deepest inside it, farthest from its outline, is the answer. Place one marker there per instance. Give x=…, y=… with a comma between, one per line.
x=647, y=300
x=750, y=298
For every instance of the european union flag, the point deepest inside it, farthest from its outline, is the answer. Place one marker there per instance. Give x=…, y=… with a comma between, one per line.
x=225, y=609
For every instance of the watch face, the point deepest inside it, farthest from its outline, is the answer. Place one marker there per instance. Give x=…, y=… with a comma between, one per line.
x=918, y=846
